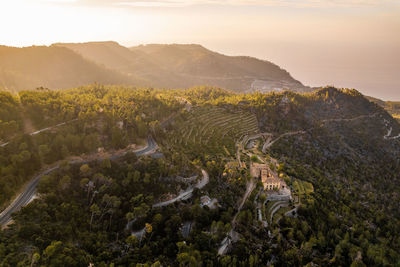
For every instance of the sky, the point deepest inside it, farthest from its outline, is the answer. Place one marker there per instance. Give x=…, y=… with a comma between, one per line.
x=345, y=43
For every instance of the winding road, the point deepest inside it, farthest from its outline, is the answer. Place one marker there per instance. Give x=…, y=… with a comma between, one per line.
x=187, y=193
x=25, y=197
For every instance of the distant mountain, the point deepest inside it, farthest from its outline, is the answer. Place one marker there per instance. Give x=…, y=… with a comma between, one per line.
x=111, y=55
x=52, y=67
x=393, y=107
x=182, y=66
x=198, y=65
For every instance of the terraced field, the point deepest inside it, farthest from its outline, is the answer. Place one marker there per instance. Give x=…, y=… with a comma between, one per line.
x=212, y=129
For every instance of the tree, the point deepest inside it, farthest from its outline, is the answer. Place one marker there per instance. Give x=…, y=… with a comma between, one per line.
x=43, y=152
x=85, y=169
x=131, y=241
x=84, y=182
x=46, y=184
x=64, y=151
x=149, y=228
x=157, y=219
x=115, y=203
x=117, y=138
x=129, y=216
x=35, y=258
x=94, y=209
x=106, y=163
x=146, y=179
x=136, y=176
x=64, y=182
x=187, y=255
x=91, y=142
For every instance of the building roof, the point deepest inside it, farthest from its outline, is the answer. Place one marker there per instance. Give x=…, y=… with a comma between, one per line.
x=205, y=199
x=267, y=177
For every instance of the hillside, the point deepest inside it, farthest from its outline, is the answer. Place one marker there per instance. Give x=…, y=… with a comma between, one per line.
x=238, y=73
x=111, y=55
x=51, y=67
x=166, y=177
x=183, y=66
x=393, y=107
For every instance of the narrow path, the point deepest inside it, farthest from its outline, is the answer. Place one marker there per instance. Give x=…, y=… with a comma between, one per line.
x=351, y=119
x=187, y=193
x=275, y=208
x=231, y=234
x=249, y=188
x=268, y=145
x=389, y=131
x=28, y=126
x=290, y=212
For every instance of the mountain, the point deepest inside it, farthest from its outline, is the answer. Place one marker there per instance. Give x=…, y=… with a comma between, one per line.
x=393, y=107
x=52, y=67
x=109, y=54
x=197, y=65
x=182, y=66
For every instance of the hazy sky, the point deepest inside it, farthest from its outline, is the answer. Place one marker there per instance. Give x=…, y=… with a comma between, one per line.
x=346, y=43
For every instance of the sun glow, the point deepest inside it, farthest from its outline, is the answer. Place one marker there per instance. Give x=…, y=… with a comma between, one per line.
x=351, y=43
x=43, y=23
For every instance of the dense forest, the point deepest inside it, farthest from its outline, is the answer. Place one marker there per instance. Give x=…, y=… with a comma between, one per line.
x=102, y=205
x=94, y=117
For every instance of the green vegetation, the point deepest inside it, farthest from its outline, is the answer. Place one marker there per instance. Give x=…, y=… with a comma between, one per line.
x=10, y=117
x=280, y=213
x=302, y=187
x=100, y=123
x=101, y=211
x=85, y=207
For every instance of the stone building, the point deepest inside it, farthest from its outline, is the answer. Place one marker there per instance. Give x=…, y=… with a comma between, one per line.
x=269, y=180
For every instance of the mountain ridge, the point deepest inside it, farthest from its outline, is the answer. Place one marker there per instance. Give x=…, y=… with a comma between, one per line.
x=188, y=65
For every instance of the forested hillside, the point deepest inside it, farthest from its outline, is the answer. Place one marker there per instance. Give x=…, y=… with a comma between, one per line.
x=192, y=200
x=94, y=118
x=10, y=117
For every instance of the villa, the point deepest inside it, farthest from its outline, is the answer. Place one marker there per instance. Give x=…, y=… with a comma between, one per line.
x=269, y=180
